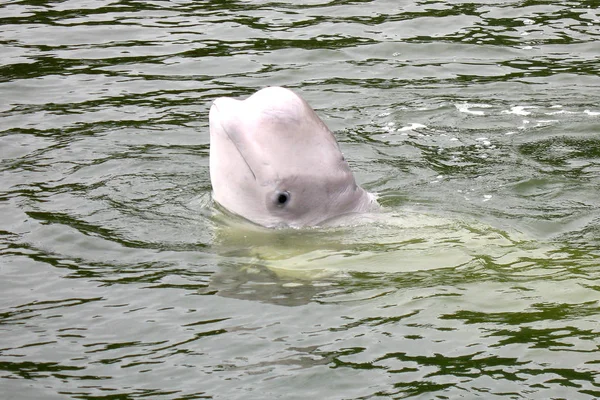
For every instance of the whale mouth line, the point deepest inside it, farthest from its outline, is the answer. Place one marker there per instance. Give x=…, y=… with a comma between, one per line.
x=235, y=145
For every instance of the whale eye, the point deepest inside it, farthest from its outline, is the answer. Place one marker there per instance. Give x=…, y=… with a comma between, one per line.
x=282, y=198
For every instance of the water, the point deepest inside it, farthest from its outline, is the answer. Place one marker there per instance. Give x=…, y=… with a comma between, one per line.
x=117, y=282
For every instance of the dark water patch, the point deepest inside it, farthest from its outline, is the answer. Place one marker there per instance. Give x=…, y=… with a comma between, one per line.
x=117, y=282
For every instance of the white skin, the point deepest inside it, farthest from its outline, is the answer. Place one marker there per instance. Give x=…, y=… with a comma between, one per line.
x=274, y=162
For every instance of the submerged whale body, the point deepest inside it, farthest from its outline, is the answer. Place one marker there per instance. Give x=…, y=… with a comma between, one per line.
x=274, y=162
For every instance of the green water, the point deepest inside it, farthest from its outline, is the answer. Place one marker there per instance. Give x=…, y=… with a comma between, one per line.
x=117, y=282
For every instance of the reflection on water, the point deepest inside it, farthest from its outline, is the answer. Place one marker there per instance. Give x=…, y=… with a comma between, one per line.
x=477, y=125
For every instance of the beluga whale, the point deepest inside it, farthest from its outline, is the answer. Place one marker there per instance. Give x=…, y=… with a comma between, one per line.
x=274, y=162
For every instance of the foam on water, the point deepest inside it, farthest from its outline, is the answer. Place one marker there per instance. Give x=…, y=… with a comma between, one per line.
x=476, y=124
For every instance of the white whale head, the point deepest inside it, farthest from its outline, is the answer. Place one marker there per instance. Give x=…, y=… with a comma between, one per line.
x=274, y=162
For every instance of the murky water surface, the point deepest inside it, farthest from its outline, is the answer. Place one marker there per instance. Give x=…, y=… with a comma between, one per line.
x=477, y=123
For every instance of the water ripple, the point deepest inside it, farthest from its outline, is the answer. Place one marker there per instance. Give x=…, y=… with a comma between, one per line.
x=117, y=280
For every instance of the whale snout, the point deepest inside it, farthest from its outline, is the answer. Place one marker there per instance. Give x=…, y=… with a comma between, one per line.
x=224, y=105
